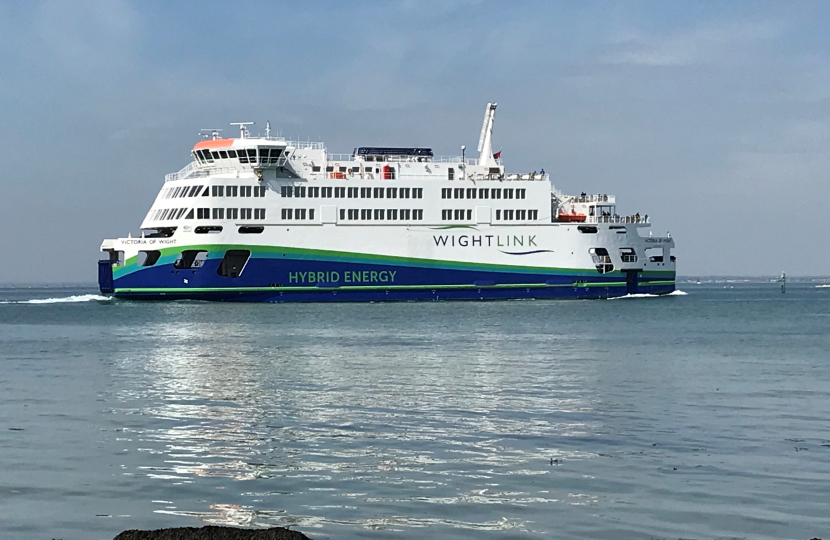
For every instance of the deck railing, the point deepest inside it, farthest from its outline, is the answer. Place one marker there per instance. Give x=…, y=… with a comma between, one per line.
x=618, y=219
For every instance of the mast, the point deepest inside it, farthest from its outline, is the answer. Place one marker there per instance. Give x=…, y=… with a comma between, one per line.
x=485, y=143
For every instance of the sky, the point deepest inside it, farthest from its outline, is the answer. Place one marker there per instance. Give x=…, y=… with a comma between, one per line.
x=711, y=117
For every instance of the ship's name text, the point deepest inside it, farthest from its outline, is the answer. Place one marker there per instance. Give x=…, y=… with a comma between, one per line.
x=347, y=276
x=147, y=241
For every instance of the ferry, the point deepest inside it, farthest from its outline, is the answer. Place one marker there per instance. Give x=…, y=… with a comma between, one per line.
x=268, y=219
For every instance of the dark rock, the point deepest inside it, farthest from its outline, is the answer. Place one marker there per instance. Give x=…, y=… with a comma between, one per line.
x=213, y=533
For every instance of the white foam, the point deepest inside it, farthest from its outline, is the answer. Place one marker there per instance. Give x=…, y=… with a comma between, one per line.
x=822, y=286
x=63, y=300
x=646, y=295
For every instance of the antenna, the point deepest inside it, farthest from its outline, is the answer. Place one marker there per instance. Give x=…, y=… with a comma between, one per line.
x=243, y=131
x=214, y=133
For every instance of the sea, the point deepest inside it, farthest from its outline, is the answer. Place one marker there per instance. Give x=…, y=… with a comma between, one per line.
x=700, y=415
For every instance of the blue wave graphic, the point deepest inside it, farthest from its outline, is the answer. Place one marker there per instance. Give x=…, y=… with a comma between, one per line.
x=527, y=252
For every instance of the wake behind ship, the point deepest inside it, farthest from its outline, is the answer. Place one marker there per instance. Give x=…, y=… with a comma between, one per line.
x=266, y=219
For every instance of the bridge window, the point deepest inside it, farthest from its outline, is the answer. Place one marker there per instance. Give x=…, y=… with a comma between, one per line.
x=483, y=193
x=418, y=193
x=379, y=213
x=495, y=193
x=244, y=191
x=508, y=193
x=405, y=214
x=203, y=213
x=520, y=193
x=458, y=193
x=391, y=214
x=391, y=193
x=244, y=213
x=218, y=191
x=232, y=213
x=233, y=262
x=378, y=193
x=404, y=193
x=446, y=214
x=446, y=193
x=365, y=214
x=218, y=213
x=232, y=154
x=352, y=192
x=326, y=193
x=418, y=214
x=287, y=213
x=259, y=213
x=339, y=193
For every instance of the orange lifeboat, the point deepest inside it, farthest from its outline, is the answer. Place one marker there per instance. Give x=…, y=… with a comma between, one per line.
x=573, y=217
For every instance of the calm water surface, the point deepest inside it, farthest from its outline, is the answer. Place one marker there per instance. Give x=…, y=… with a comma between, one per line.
x=697, y=416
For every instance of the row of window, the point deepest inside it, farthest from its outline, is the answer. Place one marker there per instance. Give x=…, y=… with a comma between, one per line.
x=168, y=214
x=482, y=193
x=381, y=214
x=328, y=192
x=501, y=215
x=297, y=213
x=231, y=191
x=215, y=191
x=518, y=215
